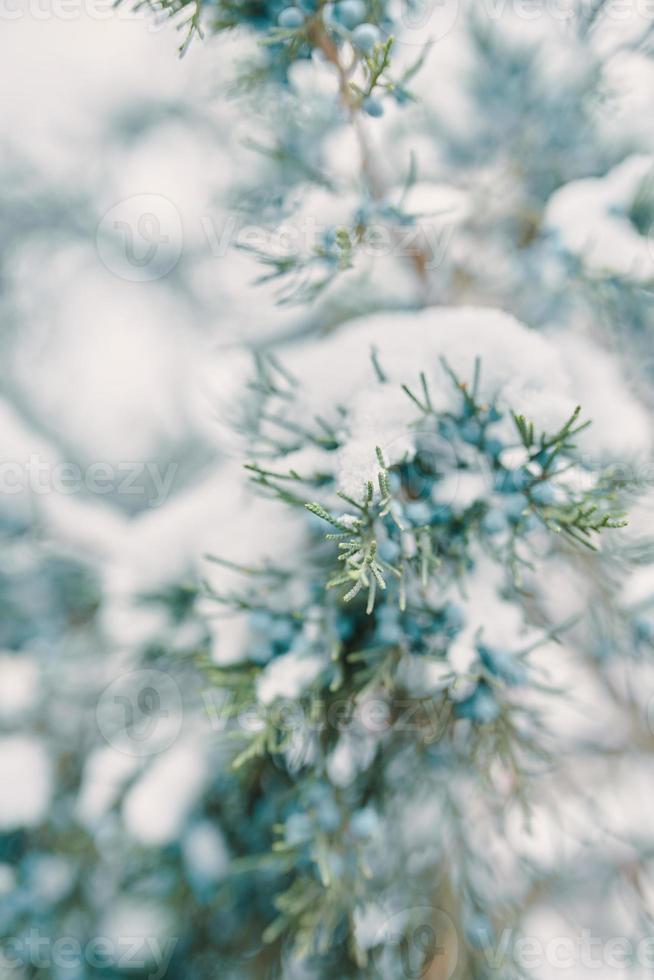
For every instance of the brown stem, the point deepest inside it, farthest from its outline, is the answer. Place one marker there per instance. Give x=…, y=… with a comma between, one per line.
x=321, y=39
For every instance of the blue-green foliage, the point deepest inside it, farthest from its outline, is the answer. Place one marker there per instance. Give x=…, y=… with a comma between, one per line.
x=388, y=588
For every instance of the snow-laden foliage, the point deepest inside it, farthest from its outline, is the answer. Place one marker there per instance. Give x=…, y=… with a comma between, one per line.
x=358, y=686
x=399, y=650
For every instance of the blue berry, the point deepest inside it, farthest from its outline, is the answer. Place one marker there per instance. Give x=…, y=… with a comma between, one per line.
x=291, y=18
x=544, y=457
x=389, y=633
x=479, y=931
x=345, y=627
x=442, y=513
x=414, y=630
x=298, y=829
x=514, y=506
x=282, y=631
x=388, y=627
x=362, y=217
x=481, y=706
x=318, y=793
x=350, y=13
x=494, y=521
x=364, y=823
x=531, y=523
x=521, y=479
x=419, y=512
x=387, y=613
x=260, y=621
x=644, y=629
x=454, y=617
x=502, y=664
x=365, y=37
x=373, y=106
x=470, y=432
x=543, y=494
x=493, y=447
x=510, y=481
x=336, y=864
x=260, y=652
x=389, y=550
x=328, y=816
x=447, y=429
x=300, y=645
x=394, y=481
x=329, y=238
